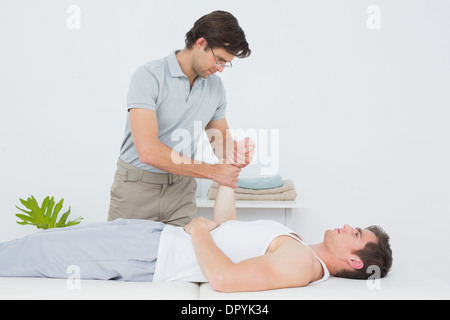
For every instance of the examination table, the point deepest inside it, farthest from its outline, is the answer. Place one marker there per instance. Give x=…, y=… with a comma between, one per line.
x=403, y=282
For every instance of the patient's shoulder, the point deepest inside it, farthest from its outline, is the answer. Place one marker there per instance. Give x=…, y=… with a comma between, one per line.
x=298, y=250
x=301, y=260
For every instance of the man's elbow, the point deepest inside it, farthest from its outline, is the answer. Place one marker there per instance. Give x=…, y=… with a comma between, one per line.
x=146, y=158
x=148, y=155
x=221, y=282
x=220, y=285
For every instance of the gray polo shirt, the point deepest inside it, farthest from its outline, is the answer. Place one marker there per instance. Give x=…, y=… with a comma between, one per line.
x=182, y=114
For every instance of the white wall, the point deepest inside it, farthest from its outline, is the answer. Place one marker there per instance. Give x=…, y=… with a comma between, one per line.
x=362, y=114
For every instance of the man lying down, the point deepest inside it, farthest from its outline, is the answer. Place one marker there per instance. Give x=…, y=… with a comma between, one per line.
x=231, y=255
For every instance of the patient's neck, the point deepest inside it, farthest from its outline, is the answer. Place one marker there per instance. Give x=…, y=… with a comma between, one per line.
x=334, y=265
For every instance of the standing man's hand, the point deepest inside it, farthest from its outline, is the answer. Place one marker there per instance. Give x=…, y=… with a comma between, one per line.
x=242, y=154
x=226, y=175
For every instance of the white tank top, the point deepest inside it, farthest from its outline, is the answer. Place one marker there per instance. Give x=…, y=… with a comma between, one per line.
x=238, y=240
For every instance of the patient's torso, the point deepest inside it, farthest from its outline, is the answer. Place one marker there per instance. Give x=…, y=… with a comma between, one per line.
x=238, y=240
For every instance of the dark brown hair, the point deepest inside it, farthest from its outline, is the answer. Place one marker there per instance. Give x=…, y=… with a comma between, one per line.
x=373, y=254
x=221, y=30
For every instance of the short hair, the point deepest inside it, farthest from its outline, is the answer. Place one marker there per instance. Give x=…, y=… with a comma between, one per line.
x=373, y=254
x=221, y=30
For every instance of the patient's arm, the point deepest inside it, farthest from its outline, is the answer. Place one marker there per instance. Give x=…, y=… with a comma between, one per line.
x=288, y=266
x=224, y=207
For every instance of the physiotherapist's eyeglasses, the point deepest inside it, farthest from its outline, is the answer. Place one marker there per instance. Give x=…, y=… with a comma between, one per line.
x=221, y=65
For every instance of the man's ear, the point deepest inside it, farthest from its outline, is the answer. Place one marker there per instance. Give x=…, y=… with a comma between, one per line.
x=200, y=42
x=355, y=262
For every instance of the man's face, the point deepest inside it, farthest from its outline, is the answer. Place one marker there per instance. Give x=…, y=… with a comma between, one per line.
x=204, y=63
x=342, y=242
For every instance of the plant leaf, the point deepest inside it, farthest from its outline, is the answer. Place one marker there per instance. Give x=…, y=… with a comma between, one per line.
x=45, y=216
x=54, y=216
x=44, y=207
x=34, y=206
x=23, y=222
x=62, y=222
x=25, y=218
x=74, y=222
x=49, y=210
x=25, y=203
x=27, y=212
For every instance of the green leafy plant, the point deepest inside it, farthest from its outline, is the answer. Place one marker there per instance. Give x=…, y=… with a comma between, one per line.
x=45, y=216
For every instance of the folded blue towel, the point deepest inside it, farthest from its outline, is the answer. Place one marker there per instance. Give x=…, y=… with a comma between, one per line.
x=260, y=183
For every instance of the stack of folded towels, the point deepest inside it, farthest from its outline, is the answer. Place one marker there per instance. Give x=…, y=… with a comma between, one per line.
x=261, y=188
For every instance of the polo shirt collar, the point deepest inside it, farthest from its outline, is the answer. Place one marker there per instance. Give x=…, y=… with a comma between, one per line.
x=174, y=66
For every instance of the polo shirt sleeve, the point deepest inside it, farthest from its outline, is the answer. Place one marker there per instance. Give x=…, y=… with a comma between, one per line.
x=222, y=106
x=143, y=90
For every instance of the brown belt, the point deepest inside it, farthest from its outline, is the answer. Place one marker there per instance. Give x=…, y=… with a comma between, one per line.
x=131, y=173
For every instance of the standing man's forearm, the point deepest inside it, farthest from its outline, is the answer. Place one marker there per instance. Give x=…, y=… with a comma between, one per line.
x=151, y=151
x=220, y=138
x=162, y=157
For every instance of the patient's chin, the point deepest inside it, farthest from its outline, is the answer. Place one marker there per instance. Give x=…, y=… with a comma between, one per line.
x=328, y=235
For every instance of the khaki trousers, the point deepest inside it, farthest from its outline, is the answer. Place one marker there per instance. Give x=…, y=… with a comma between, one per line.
x=139, y=194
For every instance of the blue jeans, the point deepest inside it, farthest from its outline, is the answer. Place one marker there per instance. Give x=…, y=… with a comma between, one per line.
x=117, y=250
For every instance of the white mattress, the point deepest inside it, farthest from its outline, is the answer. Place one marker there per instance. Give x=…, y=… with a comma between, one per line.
x=54, y=289
x=403, y=282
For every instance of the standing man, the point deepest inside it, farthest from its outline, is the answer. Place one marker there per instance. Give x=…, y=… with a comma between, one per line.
x=172, y=95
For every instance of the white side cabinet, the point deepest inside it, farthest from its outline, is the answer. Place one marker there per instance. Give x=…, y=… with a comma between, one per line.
x=254, y=210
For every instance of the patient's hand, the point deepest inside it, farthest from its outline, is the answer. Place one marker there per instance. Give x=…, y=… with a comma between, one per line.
x=242, y=153
x=200, y=224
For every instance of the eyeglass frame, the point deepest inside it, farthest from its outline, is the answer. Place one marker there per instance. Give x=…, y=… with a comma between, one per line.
x=230, y=65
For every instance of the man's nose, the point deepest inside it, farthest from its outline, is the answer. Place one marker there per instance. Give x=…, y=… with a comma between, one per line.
x=348, y=228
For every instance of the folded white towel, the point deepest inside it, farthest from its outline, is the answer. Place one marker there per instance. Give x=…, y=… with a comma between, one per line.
x=285, y=192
